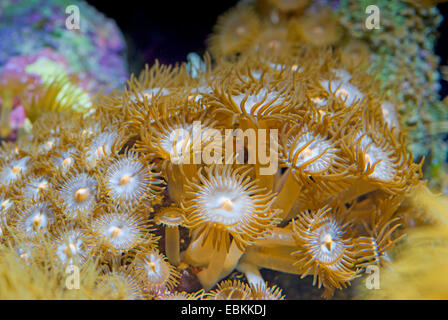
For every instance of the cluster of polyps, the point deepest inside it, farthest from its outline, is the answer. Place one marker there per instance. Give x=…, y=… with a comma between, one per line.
x=97, y=188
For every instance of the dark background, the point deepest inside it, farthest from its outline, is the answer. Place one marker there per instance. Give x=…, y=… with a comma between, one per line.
x=163, y=30
x=169, y=30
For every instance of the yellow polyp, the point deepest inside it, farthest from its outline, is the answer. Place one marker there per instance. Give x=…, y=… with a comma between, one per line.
x=276, y=258
x=211, y=275
x=125, y=180
x=82, y=194
x=288, y=194
x=355, y=191
x=251, y=273
x=265, y=180
x=198, y=253
x=189, y=171
x=278, y=237
x=172, y=248
x=231, y=261
x=175, y=183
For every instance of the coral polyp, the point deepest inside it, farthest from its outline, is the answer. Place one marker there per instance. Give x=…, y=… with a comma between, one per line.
x=119, y=230
x=234, y=31
x=325, y=249
x=35, y=219
x=127, y=180
x=156, y=273
x=77, y=194
x=228, y=203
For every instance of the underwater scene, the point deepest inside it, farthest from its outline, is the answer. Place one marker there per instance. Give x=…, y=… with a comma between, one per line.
x=224, y=150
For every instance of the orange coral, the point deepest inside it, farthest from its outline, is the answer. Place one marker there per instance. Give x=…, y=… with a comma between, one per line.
x=334, y=204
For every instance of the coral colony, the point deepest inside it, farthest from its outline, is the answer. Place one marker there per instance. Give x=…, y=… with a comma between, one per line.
x=279, y=150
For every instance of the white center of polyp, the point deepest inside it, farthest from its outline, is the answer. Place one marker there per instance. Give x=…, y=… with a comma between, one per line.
x=67, y=162
x=226, y=204
x=125, y=180
x=368, y=158
x=240, y=30
x=70, y=249
x=152, y=266
x=82, y=194
x=37, y=221
x=342, y=93
x=49, y=145
x=327, y=241
x=42, y=186
x=115, y=232
x=5, y=204
x=153, y=269
x=317, y=100
x=100, y=152
x=274, y=44
x=307, y=153
x=16, y=169
x=318, y=30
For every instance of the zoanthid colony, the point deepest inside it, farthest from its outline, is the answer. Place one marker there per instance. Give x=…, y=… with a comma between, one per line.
x=313, y=181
